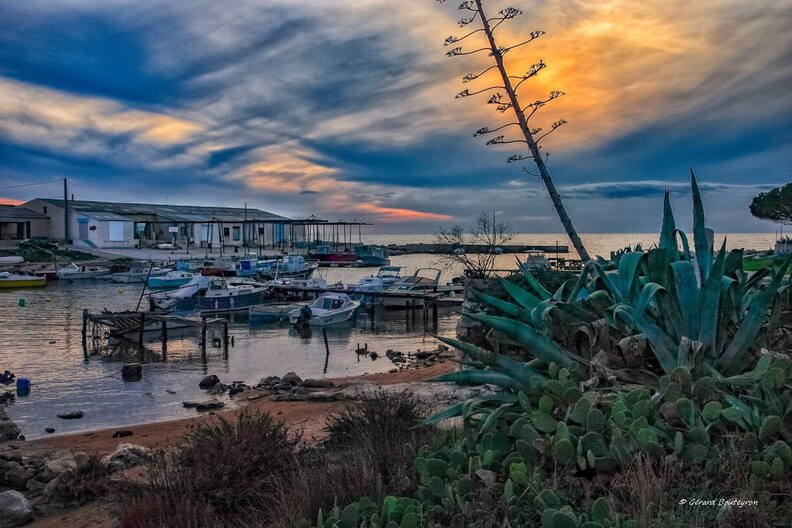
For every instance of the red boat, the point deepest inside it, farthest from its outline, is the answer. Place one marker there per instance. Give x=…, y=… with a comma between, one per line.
x=326, y=254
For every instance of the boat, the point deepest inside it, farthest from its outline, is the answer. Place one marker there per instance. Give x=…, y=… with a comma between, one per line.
x=288, y=266
x=386, y=277
x=330, y=308
x=11, y=260
x=324, y=253
x=373, y=255
x=138, y=272
x=75, y=272
x=172, y=279
x=536, y=260
x=412, y=289
x=208, y=293
x=261, y=314
x=9, y=280
x=219, y=268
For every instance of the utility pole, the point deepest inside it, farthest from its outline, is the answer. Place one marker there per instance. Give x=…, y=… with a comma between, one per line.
x=66, y=209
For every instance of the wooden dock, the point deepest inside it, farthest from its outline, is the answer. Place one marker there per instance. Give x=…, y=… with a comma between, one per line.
x=446, y=249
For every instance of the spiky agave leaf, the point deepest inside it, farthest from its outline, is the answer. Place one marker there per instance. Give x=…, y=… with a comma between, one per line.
x=700, y=238
x=536, y=343
x=663, y=347
x=709, y=302
x=480, y=377
x=667, y=237
x=522, y=297
x=687, y=296
x=540, y=290
x=500, y=362
x=505, y=307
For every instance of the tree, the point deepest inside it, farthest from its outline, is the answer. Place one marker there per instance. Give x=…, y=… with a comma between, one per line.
x=531, y=137
x=775, y=205
x=488, y=234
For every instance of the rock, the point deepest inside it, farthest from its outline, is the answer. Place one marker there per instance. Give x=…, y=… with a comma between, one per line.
x=123, y=433
x=35, y=486
x=170, y=391
x=207, y=405
x=268, y=382
x=373, y=356
x=292, y=379
x=61, y=462
x=209, y=381
x=237, y=387
x=7, y=397
x=8, y=430
x=17, y=476
x=312, y=383
x=15, y=509
x=49, y=430
x=300, y=390
x=126, y=456
x=132, y=372
x=71, y=415
x=282, y=386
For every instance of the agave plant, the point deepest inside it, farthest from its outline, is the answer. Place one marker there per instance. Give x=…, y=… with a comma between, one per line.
x=670, y=306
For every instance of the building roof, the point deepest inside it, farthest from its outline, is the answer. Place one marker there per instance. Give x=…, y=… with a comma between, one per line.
x=104, y=216
x=14, y=213
x=169, y=213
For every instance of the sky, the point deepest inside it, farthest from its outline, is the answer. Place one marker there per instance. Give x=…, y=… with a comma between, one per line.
x=347, y=109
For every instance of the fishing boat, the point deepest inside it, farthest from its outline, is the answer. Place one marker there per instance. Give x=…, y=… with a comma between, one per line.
x=138, y=272
x=373, y=255
x=219, y=268
x=288, y=266
x=8, y=280
x=330, y=308
x=208, y=293
x=386, y=277
x=262, y=314
x=75, y=272
x=411, y=290
x=536, y=260
x=324, y=253
x=172, y=279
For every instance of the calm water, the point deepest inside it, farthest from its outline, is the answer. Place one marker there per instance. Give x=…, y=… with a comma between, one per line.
x=41, y=341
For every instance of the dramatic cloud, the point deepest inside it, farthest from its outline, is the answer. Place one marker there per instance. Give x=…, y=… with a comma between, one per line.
x=345, y=108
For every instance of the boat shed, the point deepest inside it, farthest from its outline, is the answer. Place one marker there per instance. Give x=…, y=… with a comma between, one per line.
x=116, y=224
x=19, y=223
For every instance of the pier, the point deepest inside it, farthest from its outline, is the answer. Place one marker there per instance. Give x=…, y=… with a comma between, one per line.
x=445, y=249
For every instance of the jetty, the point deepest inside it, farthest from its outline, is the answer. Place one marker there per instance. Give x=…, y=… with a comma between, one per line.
x=445, y=249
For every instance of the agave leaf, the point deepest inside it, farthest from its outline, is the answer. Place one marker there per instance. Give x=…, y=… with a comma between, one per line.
x=503, y=306
x=733, y=262
x=752, y=322
x=685, y=245
x=700, y=238
x=480, y=377
x=579, y=283
x=451, y=412
x=648, y=293
x=535, y=284
x=536, y=344
x=523, y=298
x=687, y=294
x=667, y=238
x=628, y=272
x=607, y=280
x=519, y=371
x=709, y=302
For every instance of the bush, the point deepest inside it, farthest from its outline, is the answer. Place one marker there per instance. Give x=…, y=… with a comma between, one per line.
x=88, y=481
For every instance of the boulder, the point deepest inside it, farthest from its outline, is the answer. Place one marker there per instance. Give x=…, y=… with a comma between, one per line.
x=312, y=383
x=17, y=476
x=208, y=405
x=268, y=382
x=71, y=415
x=292, y=379
x=61, y=462
x=15, y=509
x=6, y=397
x=8, y=430
x=126, y=456
x=49, y=430
x=123, y=433
x=208, y=382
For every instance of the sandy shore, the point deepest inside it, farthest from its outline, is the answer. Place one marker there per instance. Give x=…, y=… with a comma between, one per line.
x=308, y=417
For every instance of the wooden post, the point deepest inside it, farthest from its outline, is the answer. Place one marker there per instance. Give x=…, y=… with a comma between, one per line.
x=434, y=315
x=203, y=338
x=225, y=339
x=407, y=312
x=164, y=339
x=425, y=313
x=327, y=350
x=85, y=334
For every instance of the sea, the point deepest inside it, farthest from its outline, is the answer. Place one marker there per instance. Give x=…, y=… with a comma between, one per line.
x=40, y=339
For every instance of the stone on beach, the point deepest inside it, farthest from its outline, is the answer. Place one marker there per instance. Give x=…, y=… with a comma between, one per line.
x=292, y=379
x=15, y=509
x=126, y=456
x=71, y=415
x=208, y=405
x=311, y=383
x=8, y=429
x=208, y=382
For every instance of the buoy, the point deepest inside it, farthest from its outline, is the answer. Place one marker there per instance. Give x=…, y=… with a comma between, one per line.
x=21, y=303
x=23, y=386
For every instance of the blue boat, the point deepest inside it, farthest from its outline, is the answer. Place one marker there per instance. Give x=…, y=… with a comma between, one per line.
x=208, y=293
x=373, y=255
x=172, y=279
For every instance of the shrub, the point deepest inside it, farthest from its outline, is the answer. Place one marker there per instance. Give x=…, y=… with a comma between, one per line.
x=88, y=481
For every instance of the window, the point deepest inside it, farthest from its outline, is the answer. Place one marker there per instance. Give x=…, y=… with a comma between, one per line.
x=115, y=231
x=45, y=209
x=237, y=233
x=226, y=232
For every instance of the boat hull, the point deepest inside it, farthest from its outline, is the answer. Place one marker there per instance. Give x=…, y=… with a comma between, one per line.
x=218, y=303
x=38, y=282
x=326, y=319
x=159, y=282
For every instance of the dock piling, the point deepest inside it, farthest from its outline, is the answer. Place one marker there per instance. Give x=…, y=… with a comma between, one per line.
x=225, y=340
x=203, y=338
x=327, y=350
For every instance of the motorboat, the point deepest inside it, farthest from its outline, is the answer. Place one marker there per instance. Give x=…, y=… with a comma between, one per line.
x=262, y=314
x=138, y=272
x=536, y=260
x=330, y=308
x=172, y=279
x=288, y=266
x=412, y=290
x=75, y=272
x=219, y=268
x=326, y=254
x=9, y=280
x=208, y=293
x=373, y=255
x=386, y=277
x=294, y=289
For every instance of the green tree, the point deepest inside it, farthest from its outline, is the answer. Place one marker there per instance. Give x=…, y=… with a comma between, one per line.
x=775, y=205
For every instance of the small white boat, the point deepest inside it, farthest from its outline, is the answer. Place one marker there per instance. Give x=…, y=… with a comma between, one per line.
x=208, y=293
x=386, y=277
x=138, y=272
x=11, y=260
x=291, y=266
x=330, y=308
x=262, y=314
x=8, y=280
x=75, y=272
x=536, y=260
x=412, y=289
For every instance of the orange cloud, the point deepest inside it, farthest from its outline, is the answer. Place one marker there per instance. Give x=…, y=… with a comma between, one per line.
x=9, y=201
x=392, y=214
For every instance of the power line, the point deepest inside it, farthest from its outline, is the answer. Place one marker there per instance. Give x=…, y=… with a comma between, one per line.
x=29, y=184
